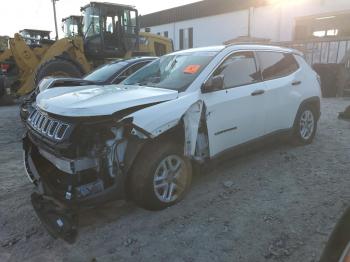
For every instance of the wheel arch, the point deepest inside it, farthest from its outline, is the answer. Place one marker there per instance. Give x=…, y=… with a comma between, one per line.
x=183, y=131
x=137, y=145
x=314, y=102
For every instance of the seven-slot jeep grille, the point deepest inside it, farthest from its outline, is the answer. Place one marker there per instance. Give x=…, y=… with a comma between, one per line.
x=51, y=128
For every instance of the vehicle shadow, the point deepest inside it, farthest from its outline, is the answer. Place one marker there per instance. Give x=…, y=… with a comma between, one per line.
x=244, y=155
x=115, y=210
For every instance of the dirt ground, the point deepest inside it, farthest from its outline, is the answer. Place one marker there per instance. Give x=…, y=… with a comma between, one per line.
x=278, y=203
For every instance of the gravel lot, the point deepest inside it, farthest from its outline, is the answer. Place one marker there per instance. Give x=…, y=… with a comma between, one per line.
x=278, y=203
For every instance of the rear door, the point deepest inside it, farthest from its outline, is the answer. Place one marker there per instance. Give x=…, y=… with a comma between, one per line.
x=282, y=78
x=235, y=114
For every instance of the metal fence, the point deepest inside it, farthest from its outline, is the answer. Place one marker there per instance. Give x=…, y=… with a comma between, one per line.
x=325, y=51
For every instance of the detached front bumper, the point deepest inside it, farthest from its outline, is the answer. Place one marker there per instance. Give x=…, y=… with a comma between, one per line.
x=58, y=220
x=58, y=206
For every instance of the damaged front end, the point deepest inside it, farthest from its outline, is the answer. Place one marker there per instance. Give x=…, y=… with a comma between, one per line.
x=83, y=162
x=76, y=164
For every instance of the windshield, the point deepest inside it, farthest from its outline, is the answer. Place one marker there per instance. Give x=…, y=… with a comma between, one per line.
x=175, y=72
x=91, y=22
x=105, y=72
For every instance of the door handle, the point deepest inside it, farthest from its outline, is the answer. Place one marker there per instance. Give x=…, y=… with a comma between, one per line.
x=296, y=83
x=258, y=92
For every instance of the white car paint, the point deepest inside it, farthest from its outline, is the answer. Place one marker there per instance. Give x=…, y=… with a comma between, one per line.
x=167, y=114
x=280, y=93
x=234, y=117
x=99, y=100
x=283, y=98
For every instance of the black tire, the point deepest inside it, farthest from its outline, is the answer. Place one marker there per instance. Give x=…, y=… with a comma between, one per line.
x=57, y=67
x=298, y=137
x=345, y=114
x=143, y=173
x=2, y=85
x=338, y=240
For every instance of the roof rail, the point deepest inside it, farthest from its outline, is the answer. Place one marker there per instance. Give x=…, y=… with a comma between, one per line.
x=294, y=51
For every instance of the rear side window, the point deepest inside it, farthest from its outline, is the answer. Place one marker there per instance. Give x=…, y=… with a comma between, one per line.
x=238, y=69
x=276, y=65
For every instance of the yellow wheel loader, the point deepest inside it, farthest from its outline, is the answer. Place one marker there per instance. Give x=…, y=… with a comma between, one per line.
x=109, y=31
x=28, y=48
x=26, y=45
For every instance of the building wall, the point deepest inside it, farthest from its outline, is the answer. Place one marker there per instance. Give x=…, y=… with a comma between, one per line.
x=212, y=30
x=275, y=22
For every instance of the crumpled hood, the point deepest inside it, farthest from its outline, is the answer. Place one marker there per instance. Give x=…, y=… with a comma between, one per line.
x=84, y=101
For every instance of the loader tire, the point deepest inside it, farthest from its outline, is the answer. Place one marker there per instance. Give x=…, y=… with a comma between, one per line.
x=57, y=67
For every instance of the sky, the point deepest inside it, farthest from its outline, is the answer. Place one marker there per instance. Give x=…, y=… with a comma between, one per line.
x=38, y=14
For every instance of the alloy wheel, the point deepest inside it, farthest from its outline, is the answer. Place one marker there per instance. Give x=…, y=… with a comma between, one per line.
x=170, y=179
x=307, y=125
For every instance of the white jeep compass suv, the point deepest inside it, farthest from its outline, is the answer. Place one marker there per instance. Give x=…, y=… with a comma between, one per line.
x=139, y=140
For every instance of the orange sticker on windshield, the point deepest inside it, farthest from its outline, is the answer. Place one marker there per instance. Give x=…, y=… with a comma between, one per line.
x=192, y=69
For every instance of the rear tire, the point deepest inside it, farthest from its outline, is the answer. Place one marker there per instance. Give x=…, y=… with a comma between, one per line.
x=2, y=85
x=57, y=67
x=161, y=175
x=305, y=126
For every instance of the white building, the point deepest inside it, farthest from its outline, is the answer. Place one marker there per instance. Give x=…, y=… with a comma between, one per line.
x=213, y=22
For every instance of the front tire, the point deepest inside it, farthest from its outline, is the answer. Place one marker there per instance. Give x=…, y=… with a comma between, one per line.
x=161, y=176
x=305, y=126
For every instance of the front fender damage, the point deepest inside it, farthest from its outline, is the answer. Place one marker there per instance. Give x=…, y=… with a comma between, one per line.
x=158, y=119
x=191, y=121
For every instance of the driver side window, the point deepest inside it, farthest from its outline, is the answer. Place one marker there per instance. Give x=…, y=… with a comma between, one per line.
x=239, y=69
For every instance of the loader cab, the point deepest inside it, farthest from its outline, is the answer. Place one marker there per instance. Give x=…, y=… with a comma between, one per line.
x=72, y=26
x=35, y=37
x=110, y=30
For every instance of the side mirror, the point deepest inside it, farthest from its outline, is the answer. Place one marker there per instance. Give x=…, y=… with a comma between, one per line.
x=214, y=83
